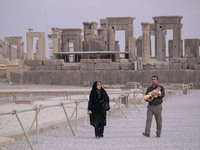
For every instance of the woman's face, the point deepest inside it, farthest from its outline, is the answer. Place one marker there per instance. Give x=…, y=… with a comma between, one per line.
x=98, y=85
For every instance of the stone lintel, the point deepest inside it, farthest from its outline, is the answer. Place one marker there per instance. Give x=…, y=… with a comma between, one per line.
x=119, y=20
x=168, y=19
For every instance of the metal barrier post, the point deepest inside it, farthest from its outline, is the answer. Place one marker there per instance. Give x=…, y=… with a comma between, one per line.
x=76, y=114
x=67, y=118
x=133, y=98
x=36, y=121
x=73, y=112
x=120, y=107
x=15, y=112
x=32, y=123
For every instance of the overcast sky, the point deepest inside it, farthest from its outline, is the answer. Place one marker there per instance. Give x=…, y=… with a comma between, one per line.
x=17, y=16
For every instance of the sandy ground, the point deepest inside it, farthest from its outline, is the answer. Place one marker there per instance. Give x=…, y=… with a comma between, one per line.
x=181, y=130
x=48, y=118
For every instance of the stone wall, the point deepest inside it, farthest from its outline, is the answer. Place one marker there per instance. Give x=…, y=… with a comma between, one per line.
x=87, y=77
x=33, y=65
x=174, y=63
x=185, y=63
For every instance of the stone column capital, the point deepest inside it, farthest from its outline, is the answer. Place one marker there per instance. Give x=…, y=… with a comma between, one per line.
x=145, y=26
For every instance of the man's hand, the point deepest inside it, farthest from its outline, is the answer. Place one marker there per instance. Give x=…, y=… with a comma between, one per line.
x=149, y=99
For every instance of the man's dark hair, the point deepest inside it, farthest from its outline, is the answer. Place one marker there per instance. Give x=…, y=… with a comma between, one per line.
x=154, y=77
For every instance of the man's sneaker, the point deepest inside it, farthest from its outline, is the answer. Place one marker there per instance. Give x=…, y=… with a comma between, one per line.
x=146, y=134
x=157, y=135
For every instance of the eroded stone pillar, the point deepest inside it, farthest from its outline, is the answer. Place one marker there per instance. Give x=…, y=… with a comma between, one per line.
x=139, y=46
x=7, y=51
x=117, y=49
x=111, y=39
x=145, y=41
x=177, y=53
x=30, y=52
x=132, y=45
x=170, y=48
x=130, y=41
x=56, y=38
x=192, y=48
x=41, y=48
x=20, y=47
x=164, y=32
x=159, y=43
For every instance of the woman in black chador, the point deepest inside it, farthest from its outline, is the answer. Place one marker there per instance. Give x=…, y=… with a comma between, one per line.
x=96, y=109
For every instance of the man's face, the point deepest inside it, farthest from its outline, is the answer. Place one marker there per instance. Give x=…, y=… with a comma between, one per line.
x=154, y=81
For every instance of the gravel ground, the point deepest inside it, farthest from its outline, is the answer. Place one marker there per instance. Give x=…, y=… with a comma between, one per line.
x=181, y=130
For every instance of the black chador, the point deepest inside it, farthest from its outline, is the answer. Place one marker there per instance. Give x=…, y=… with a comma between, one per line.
x=98, y=113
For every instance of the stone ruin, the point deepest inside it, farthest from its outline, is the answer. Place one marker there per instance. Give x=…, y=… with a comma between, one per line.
x=40, y=45
x=9, y=42
x=79, y=60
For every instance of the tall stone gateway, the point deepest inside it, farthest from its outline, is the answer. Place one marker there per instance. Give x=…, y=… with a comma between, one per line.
x=161, y=24
x=72, y=36
x=40, y=46
x=121, y=23
x=16, y=41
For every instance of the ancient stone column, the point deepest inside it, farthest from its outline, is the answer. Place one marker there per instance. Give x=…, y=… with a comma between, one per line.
x=177, y=42
x=139, y=46
x=111, y=40
x=128, y=34
x=56, y=37
x=20, y=54
x=20, y=50
x=30, y=52
x=7, y=50
x=117, y=49
x=145, y=41
x=170, y=48
x=132, y=45
x=159, y=43
x=41, y=50
x=164, y=32
x=131, y=40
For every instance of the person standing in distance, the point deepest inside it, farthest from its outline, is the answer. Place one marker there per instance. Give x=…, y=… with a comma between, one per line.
x=96, y=110
x=154, y=107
